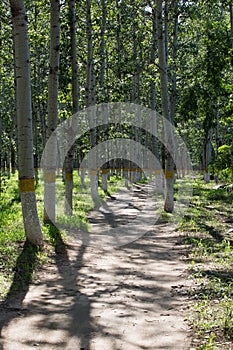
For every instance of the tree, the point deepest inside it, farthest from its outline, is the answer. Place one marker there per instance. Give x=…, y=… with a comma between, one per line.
x=50, y=159
x=75, y=101
x=24, y=123
x=231, y=26
x=168, y=122
x=105, y=170
x=91, y=99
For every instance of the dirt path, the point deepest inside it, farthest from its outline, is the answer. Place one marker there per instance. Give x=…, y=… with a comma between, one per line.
x=88, y=298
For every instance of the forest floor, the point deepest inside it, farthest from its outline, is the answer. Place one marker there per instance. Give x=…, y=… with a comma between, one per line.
x=104, y=298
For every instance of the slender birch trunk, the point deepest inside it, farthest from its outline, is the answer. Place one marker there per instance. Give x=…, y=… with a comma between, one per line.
x=231, y=20
x=0, y=153
x=75, y=100
x=102, y=51
x=91, y=100
x=105, y=168
x=74, y=62
x=1, y=119
x=174, y=60
x=8, y=161
x=136, y=175
x=217, y=140
x=207, y=154
x=24, y=122
x=154, y=145
x=168, y=132
x=50, y=161
x=118, y=40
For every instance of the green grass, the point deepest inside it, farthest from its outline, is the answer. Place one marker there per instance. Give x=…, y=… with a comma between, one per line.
x=18, y=259
x=11, y=231
x=207, y=230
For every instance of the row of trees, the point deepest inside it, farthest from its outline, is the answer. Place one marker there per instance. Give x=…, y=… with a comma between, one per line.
x=171, y=56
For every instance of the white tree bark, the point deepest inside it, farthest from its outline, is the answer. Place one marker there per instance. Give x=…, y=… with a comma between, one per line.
x=154, y=146
x=24, y=122
x=105, y=168
x=51, y=158
x=91, y=100
x=75, y=82
x=174, y=59
x=0, y=152
x=75, y=101
x=168, y=132
x=231, y=20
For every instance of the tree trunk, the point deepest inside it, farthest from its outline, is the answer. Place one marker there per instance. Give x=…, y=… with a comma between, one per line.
x=75, y=100
x=168, y=132
x=75, y=82
x=50, y=159
x=24, y=122
x=207, y=154
x=91, y=101
x=105, y=168
x=174, y=59
x=218, y=142
x=232, y=162
x=118, y=41
x=0, y=153
x=8, y=161
x=136, y=175
x=231, y=20
x=153, y=140
x=102, y=51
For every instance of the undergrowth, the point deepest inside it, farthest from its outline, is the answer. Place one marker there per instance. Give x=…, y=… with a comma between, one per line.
x=208, y=229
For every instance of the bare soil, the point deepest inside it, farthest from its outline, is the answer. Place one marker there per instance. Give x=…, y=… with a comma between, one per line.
x=91, y=298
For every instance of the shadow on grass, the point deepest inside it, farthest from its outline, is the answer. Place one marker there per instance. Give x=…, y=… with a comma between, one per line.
x=209, y=241
x=25, y=266
x=217, y=284
x=225, y=276
x=57, y=240
x=219, y=237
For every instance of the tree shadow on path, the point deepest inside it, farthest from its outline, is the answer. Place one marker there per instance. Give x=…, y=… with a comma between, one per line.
x=102, y=297
x=11, y=307
x=49, y=304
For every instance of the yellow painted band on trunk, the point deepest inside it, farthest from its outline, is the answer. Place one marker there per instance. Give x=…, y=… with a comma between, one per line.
x=93, y=172
x=157, y=172
x=105, y=171
x=169, y=174
x=49, y=177
x=26, y=185
x=69, y=176
x=137, y=170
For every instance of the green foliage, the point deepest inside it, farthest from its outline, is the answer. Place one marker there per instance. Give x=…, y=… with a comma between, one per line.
x=222, y=164
x=204, y=57
x=223, y=160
